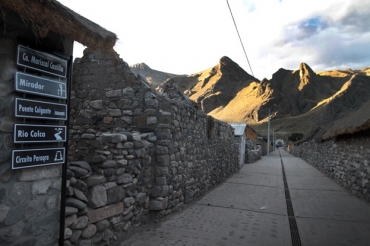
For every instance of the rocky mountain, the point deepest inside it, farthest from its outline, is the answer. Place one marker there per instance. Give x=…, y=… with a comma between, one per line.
x=154, y=77
x=313, y=103
x=345, y=110
x=215, y=87
x=319, y=105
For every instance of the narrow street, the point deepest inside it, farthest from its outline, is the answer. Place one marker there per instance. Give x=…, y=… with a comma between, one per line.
x=278, y=200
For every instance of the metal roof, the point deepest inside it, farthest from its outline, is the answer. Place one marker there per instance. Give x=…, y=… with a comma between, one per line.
x=239, y=128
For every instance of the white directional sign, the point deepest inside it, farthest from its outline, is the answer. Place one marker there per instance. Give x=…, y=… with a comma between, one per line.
x=39, y=109
x=44, y=75
x=25, y=133
x=26, y=158
x=41, y=61
x=40, y=86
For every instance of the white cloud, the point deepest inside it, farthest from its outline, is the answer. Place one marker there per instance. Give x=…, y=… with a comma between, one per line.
x=190, y=36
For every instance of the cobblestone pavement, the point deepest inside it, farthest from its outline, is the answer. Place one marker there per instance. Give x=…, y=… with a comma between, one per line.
x=256, y=207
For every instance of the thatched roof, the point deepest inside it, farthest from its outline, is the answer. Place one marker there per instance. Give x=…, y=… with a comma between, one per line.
x=52, y=15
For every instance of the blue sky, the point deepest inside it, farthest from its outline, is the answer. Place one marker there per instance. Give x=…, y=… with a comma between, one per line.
x=185, y=37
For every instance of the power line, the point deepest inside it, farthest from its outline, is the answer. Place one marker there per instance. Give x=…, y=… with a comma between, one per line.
x=239, y=36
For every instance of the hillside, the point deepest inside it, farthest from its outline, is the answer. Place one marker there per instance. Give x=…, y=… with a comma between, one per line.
x=154, y=77
x=213, y=88
x=346, y=110
x=317, y=104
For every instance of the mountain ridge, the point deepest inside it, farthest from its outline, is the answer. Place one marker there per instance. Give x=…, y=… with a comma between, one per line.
x=301, y=100
x=154, y=77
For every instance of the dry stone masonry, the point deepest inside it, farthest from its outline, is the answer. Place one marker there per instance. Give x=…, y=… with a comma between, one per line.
x=345, y=159
x=252, y=153
x=135, y=155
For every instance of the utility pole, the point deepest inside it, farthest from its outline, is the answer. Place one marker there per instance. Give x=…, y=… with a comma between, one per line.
x=268, y=135
x=268, y=132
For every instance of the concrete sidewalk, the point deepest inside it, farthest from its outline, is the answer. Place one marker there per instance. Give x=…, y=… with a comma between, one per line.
x=326, y=213
x=250, y=208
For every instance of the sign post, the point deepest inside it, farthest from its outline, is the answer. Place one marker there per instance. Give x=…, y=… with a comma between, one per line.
x=42, y=85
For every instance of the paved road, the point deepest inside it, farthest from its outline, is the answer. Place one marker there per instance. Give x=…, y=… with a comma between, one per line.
x=252, y=207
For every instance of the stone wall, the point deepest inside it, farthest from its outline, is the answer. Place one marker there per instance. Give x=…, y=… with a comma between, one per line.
x=252, y=155
x=135, y=155
x=345, y=159
x=252, y=152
